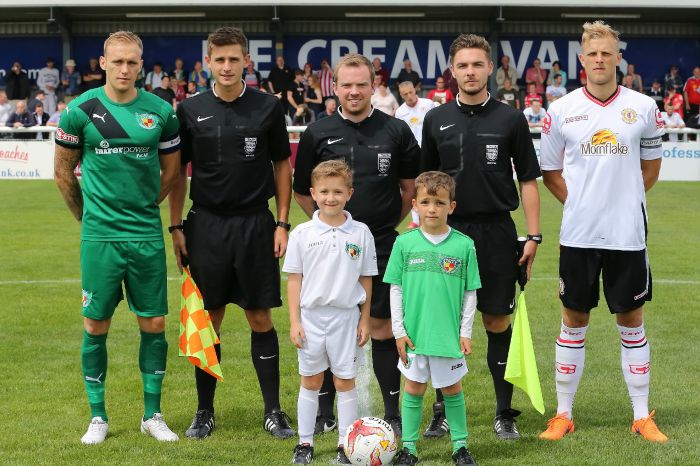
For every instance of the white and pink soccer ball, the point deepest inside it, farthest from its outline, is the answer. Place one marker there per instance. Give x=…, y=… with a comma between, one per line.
x=370, y=441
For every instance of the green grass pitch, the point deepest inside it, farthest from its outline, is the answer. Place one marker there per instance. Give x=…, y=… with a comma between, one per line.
x=44, y=409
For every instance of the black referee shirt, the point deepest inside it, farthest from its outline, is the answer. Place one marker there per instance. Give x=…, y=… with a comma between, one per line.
x=475, y=145
x=231, y=146
x=380, y=150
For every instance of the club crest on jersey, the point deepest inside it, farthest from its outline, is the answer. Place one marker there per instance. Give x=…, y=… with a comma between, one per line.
x=146, y=120
x=383, y=162
x=353, y=250
x=449, y=264
x=87, y=298
x=491, y=153
x=629, y=116
x=250, y=145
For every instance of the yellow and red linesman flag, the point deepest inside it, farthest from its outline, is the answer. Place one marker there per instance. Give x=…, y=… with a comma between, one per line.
x=197, y=335
x=521, y=369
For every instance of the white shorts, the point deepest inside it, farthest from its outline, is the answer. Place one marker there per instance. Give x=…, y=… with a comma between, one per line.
x=442, y=372
x=331, y=341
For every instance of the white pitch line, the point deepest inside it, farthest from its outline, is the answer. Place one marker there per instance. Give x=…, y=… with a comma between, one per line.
x=662, y=281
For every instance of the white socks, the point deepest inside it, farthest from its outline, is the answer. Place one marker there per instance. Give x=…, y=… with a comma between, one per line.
x=634, y=356
x=570, y=354
x=347, y=412
x=307, y=405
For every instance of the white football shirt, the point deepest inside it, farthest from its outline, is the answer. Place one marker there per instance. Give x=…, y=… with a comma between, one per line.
x=414, y=116
x=599, y=146
x=331, y=259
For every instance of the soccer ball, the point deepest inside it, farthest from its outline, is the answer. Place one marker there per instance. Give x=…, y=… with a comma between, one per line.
x=370, y=441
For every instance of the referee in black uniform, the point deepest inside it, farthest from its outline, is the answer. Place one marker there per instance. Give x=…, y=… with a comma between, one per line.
x=474, y=138
x=383, y=155
x=237, y=141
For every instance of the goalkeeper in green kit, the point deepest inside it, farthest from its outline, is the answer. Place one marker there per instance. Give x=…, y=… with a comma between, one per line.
x=127, y=142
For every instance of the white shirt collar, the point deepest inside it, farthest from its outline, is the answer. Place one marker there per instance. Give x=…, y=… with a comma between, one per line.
x=340, y=112
x=488, y=96
x=213, y=89
x=324, y=227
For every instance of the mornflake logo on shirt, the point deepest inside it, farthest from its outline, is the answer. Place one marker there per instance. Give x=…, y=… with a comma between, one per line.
x=603, y=143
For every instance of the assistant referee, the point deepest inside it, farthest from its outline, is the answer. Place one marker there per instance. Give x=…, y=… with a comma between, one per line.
x=237, y=141
x=475, y=138
x=383, y=155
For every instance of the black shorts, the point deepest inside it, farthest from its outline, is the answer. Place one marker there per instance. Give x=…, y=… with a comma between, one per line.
x=232, y=260
x=381, y=308
x=496, y=244
x=626, y=278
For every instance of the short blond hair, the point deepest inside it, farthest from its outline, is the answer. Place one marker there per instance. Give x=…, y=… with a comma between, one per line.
x=433, y=181
x=332, y=169
x=356, y=60
x=597, y=30
x=122, y=36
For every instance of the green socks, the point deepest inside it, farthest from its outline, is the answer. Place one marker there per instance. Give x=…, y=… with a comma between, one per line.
x=411, y=416
x=456, y=414
x=94, y=361
x=153, y=354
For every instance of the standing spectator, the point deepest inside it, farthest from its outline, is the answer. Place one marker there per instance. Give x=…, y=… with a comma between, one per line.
x=70, y=80
x=675, y=99
x=532, y=95
x=656, y=92
x=674, y=79
x=93, y=77
x=296, y=93
x=313, y=97
x=308, y=72
x=672, y=120
x=329, y=110
x=252, y=77
x=280, y=78
x=199, y=77
x=5, y=109
x=413, y=109
x=39, y=98
x=326, y=77
x=154, y=77
x=536, y=75
x=556, y=70
x=48, y=80
x=178, y=75
x=21, y=118
x=383, y=100
x=535, y=116
x=56, y=117
x=17, y=84
x=691, y=92
x=556, y=90
x=440, y=94
x=41, y=118
x=508, y=95
x=628, y=82
x=582, y=78
x=407, y=74
x=637, y=84
x=450, y=81
x=165, y=92
x=379, y=71
x=505, y=71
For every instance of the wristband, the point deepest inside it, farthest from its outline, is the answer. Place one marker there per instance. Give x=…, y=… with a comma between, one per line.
x=284, y=225
x=172, y=228
x=536, y=238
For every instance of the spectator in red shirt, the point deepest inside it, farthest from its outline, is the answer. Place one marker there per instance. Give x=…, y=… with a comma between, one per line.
x=440, y=94
x=532, y=95
x=536, y=75
x=582, y=79
x=675, y=100
x=691, y=92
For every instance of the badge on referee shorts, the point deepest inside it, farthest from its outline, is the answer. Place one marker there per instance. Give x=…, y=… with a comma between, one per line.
x=250, y=144
x=383, y=162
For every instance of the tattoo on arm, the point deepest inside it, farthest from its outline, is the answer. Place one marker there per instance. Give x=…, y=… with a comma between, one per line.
x=65, y=162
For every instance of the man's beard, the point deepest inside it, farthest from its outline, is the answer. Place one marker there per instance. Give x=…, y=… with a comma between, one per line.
x=474, y=92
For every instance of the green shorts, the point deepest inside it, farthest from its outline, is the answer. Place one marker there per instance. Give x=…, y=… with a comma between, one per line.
x=140, y=265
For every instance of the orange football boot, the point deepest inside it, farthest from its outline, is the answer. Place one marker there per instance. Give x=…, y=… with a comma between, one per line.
x=558, y=427
x=646, y=427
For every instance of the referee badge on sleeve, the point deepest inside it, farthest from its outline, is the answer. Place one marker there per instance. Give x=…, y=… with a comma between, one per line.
x=383, y=162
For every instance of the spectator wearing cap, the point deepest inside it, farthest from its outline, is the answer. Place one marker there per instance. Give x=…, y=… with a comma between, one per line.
x=673, y=79
x=48, y=80
x=70, y=80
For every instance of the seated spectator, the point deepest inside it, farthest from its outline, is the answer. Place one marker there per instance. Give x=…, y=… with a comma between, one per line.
x=672, y=120
x=691, y=93
x=165, y=92
x=408, y=74
x=295, y=93
x=440, y=94
x=21, y=118
x=71, y=80
x=302, y=116
x=628, y=82
x=329, y=110
x=657, y=93
x=39, y=98
x=17, y=83
x=636, y=79
x=41, y=118
x=537, y=76
x=312, y=97
x=94, y=76
x=673, y=79
x=555, y=91
x=505, y=71
x=556, y=70
x=384, y=100
x=191, y=89
x=508, y=95
x=252, y=77
x=178, y=75
x=56, y=117
x=154, y=77
x=535, y=116
x=199, y=77
x=379, y=71
x=532, y=95
x=5, y=108
x=675, y=99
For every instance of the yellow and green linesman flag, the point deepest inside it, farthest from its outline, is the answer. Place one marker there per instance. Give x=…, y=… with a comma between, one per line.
x=197, y=335
x=521, y=369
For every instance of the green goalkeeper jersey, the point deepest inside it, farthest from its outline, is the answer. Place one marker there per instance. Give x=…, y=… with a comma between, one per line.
x=433, y=279
x=120, y=164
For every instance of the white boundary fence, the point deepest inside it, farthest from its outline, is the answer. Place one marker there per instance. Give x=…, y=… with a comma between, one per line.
x=33, y=159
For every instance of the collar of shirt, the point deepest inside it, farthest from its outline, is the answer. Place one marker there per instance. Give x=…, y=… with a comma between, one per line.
x=213, y=89
x=325, y=228
x=350, y=122
x=473, y=108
